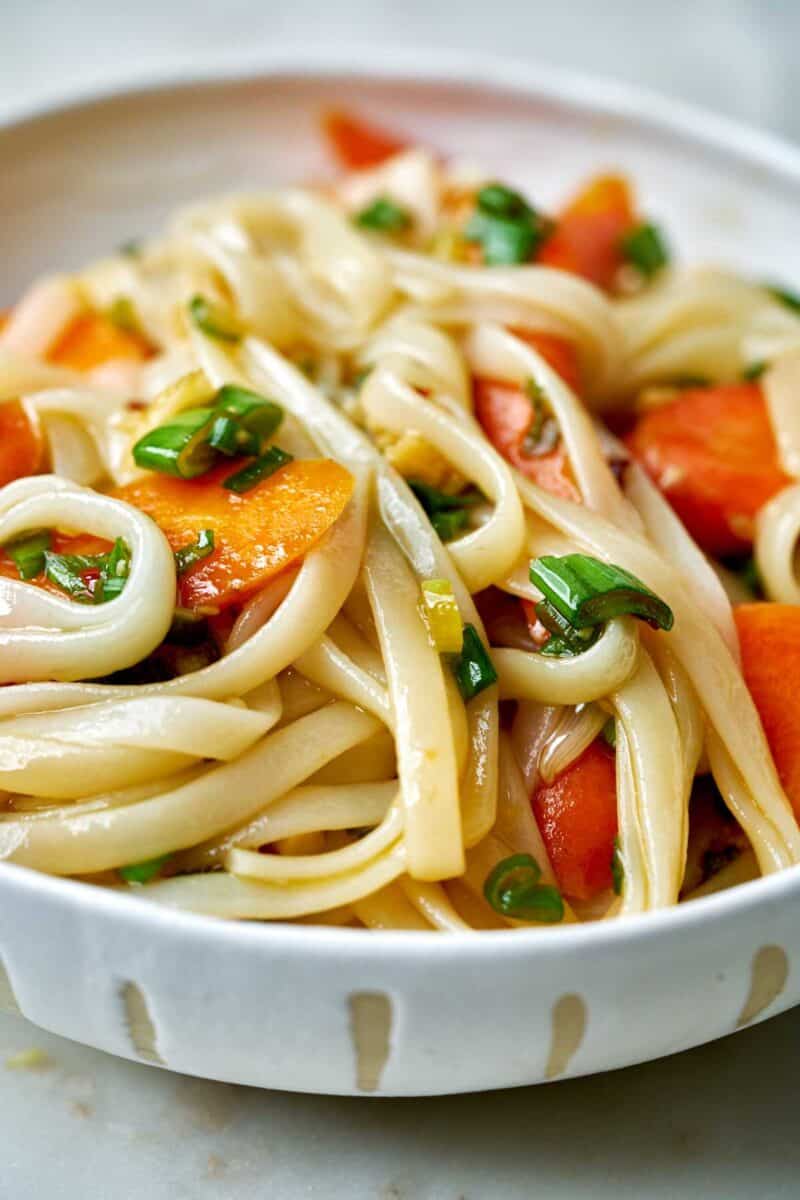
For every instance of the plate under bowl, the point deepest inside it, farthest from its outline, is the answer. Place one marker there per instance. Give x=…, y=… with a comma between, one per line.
x=345, y=1011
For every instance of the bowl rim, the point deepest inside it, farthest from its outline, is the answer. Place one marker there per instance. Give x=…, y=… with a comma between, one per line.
x=582, y=93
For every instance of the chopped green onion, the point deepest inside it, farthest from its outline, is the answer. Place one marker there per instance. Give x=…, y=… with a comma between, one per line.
x=28, y=553
x=543, y=432
x=229, y=437
x=754, y=371
x=132, y=248
x=609, y=733
x=114, y=573
x=254, y=413
x=473, y=668
x=180, y=448
x=384, y=216
x=785, y=296
x=565, y=640
x=645, y=249
x=447, y=513
x=143, y=872
x=360, y=377
x=108, y=571
x=587, y=592
x=497, y=200
x=505, y=243
x=214, y=320
x=195, y=551
x=513, y=889
x=507, y=227
x=449, y=524
x=260, y=468
x=123, y=314
x=617, y=868
x=440, y=610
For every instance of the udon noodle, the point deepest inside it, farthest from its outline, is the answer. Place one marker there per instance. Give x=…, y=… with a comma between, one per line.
x=293, y=494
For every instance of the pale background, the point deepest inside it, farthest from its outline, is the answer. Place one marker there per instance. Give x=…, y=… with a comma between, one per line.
x=719, y=1123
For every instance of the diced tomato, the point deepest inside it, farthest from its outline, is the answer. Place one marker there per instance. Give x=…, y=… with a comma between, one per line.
x=93, y=339
x=505, y=412
x=557, y=352
x=21, y=443
x=357, y=143
x=577, y=816
x=713, y=454
x=769, y=636
x=256, y=534
x=588, y=234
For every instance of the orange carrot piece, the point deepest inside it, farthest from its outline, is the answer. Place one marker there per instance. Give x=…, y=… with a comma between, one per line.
x=356, y=143
x=93, y=339
x=256, y=534
x=577, y=816
x=712, y=453
x=505, y=412
x=769, y=636
x=21, y=443
x=587, y=238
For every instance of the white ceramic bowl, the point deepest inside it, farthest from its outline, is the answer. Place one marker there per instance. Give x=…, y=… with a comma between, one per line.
x=345, y=1011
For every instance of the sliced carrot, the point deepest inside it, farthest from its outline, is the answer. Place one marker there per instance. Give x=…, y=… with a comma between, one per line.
x=577, y=816
x=357, y=143
x=587, y=238
x=712, y=453
x=505, y=412
x=93, y=339
x=769, y=636
x=21, y=443
x=256, y=534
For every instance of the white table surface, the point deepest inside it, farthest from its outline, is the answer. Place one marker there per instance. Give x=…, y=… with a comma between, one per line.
x=718, y=1123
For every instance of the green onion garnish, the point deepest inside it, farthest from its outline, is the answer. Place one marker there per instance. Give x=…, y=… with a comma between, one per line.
x=565, y=640
x=180, y=448
x=253, y=412
x=644, y=248
x=143, y=872
x=617, y=868
x=132, y=248
x=513, y=890
x=260, y=468
x=507, y=227
x=497, y=200
x=587, y=592
x=214, y=320
x=786, y=297
x=543, y=432
x=384, y=216
x=113, y=573
x=754, y=371
x=123, y=314
x=190, y=443
x=473, y=668
x=609, y=733
x=195, y=551
x=447, y=513
x=28, y=553
x=229, y=437
x=74, y=573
